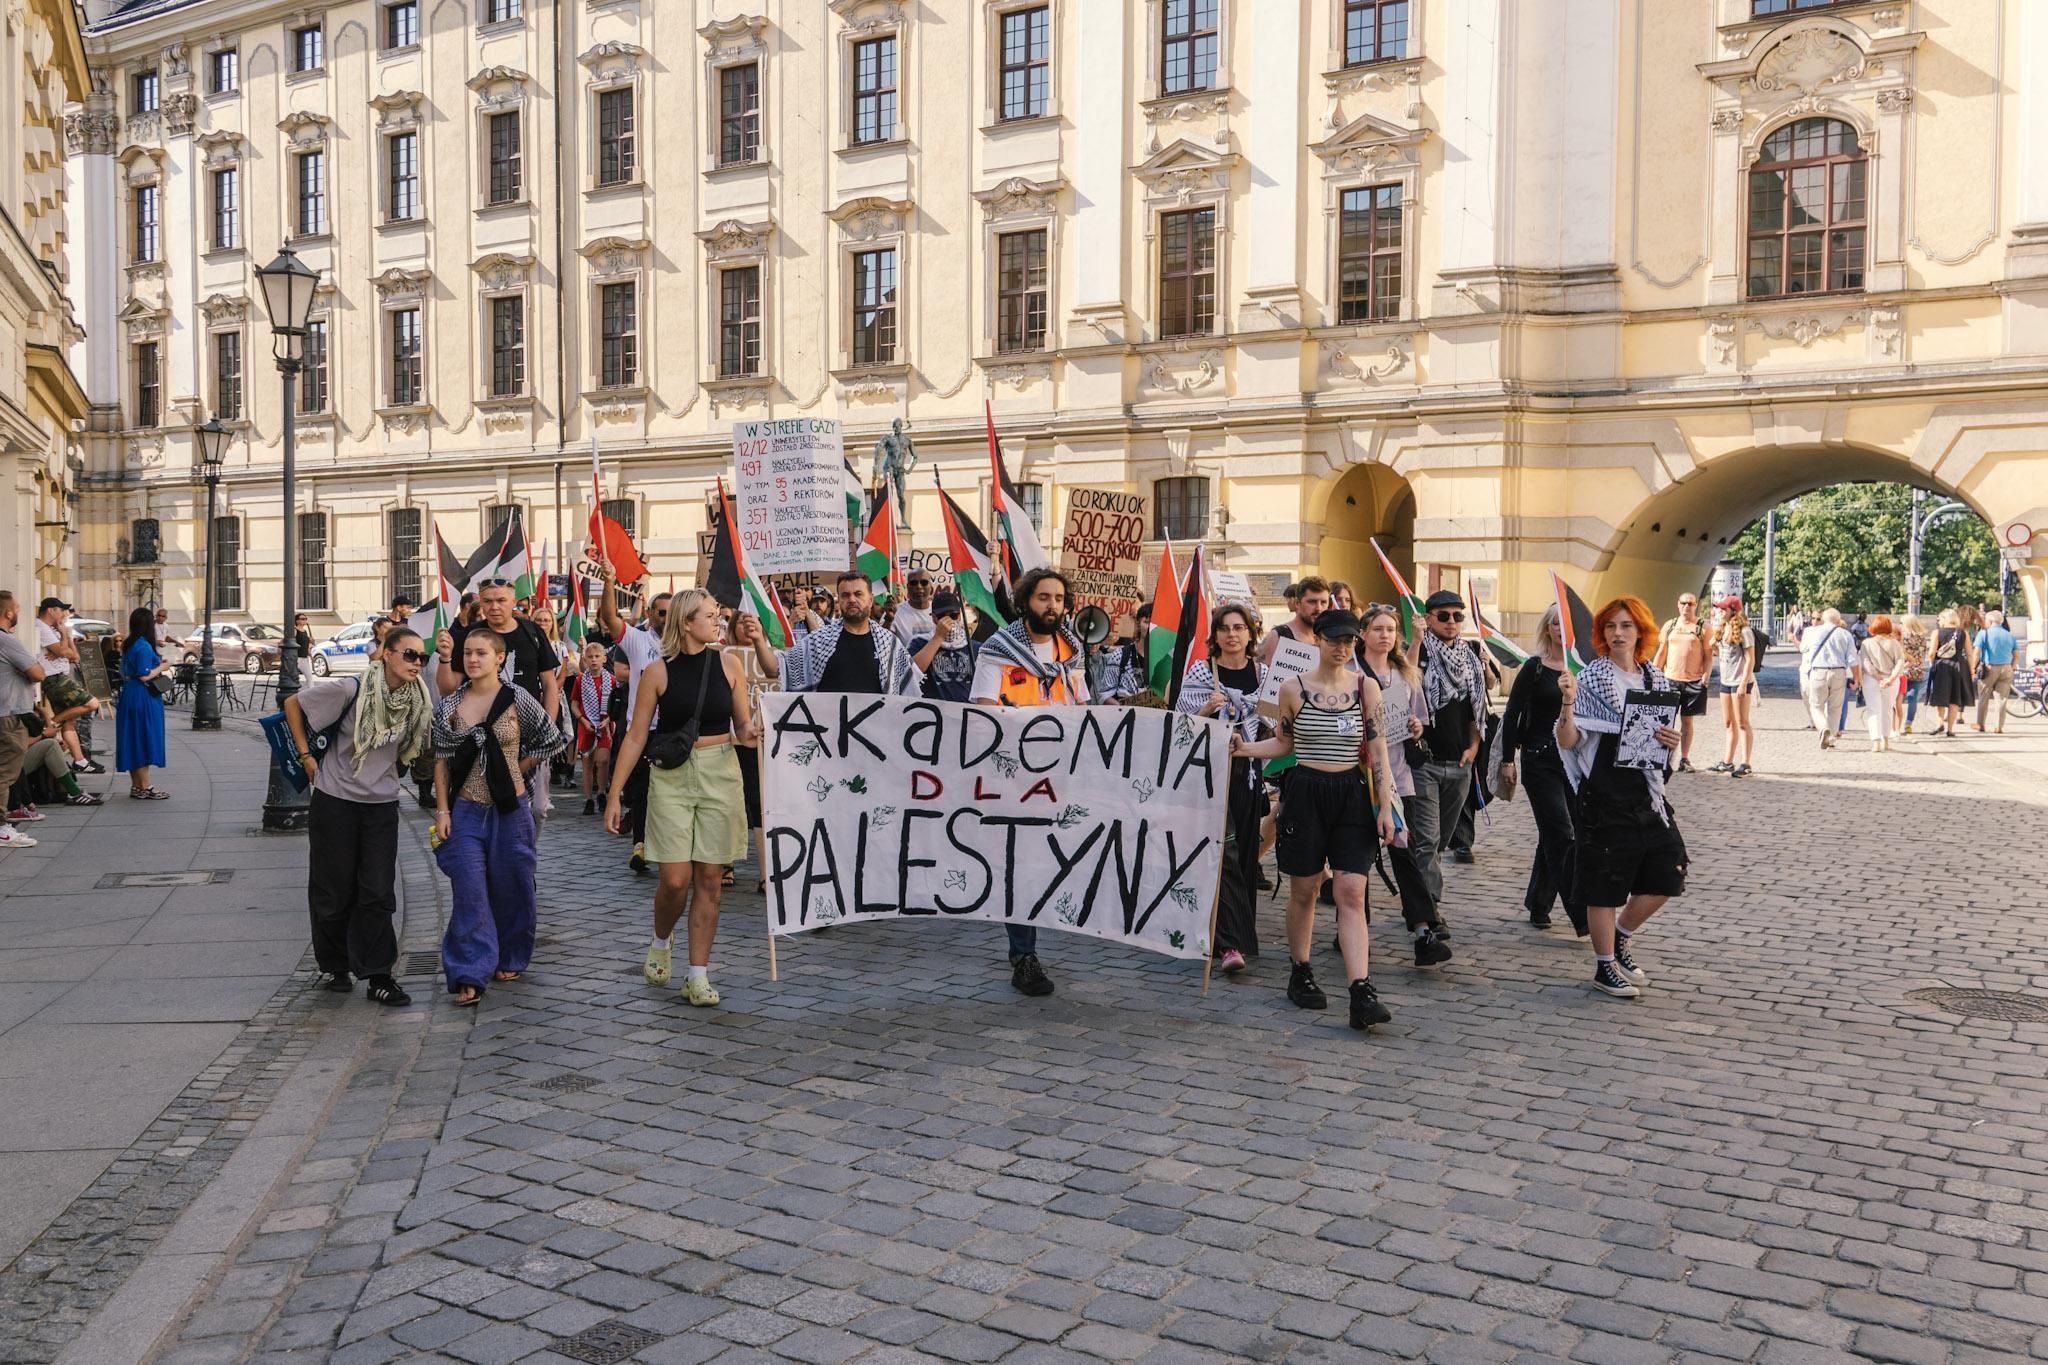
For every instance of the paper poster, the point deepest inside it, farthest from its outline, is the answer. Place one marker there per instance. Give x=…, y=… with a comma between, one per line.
x=1291, y=659
x=1643, y=713
x=1101, y=549
x=789, y=495
x=1096, y=820
x=1225, y=587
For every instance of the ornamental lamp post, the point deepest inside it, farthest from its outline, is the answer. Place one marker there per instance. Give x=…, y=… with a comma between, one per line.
x=288, y=284
x=211, y=445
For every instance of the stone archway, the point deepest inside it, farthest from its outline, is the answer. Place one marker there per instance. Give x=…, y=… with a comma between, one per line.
x=1367, y=500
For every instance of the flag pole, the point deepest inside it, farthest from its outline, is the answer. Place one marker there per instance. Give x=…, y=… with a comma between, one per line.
x=1216, y=897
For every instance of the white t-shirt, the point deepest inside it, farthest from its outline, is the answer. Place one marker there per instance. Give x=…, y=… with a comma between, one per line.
x=641, y=648
x=48, y=635
x=988, y=674
x=913, y=623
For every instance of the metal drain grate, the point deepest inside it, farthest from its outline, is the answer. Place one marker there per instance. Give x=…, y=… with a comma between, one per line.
x=606, y=1343
x=566, y=1083
x=115, y=881
x=422, y=964
x=2006, y=1006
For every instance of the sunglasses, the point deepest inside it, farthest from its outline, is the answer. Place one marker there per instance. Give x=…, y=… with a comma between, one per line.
x=412, y=656
x=1448, y=616
x=497, y=583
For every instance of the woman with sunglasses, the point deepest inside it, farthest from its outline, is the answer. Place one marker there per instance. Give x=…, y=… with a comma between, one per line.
x=375, y=725
x=1329, y=722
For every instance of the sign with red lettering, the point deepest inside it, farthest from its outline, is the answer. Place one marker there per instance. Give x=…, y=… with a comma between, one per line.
x=789, y=495
x=1091, y=819
x=1100, y=550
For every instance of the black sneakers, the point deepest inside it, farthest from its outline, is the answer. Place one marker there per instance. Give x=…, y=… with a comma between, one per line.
x=1366, y=1009
x=1627, y=964
x=1441, y=927
x=1303, y=990
x=1607, y=978
x=341, y=983
x=1539, y=919
x=1461, y=855
x=386, y=991
x=590, y=805
x=1430, y=949
x=1029, y=977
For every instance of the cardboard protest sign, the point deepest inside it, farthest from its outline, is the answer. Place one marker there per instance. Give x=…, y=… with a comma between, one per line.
x=1095, y=820
x=790, y=495
x=1291, y=659
x=1230, y=587
x=1101, y=549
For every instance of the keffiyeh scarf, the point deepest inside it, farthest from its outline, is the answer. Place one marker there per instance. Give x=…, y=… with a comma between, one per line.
x=1597, y=712
x=1448, y=673
x=383, y=715
x=803, y=663
x=1011, y=647
x=593, y=696
x=1240, y=709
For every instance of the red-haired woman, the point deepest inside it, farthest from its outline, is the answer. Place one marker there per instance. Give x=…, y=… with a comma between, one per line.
x=1630, y=856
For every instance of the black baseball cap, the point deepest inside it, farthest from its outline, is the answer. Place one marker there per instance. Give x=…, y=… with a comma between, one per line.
x=945, y=603
x=49, y=602
x=1444, y=598
x=1337, y=624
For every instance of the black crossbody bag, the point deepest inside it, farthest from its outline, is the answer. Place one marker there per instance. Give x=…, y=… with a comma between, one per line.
x=669, y=749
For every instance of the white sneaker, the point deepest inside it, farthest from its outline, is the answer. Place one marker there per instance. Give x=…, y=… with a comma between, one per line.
x=10, y=837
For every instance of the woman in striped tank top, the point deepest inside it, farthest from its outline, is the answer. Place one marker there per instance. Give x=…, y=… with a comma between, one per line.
x=1328, y=719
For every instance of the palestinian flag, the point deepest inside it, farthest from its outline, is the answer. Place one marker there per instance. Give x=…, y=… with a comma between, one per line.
x=1022, y=551
x=968, y=558
x=1405, y=599
x=856, y=496
x=1191, y=638
x=1505, y=652
x=463, y=574
x=877, y=557
x=733, y=585
x=439, y=615
x=513, y=561
x=576, y=625
x=608, y=540
x=1574, y=626
x=1165, y=637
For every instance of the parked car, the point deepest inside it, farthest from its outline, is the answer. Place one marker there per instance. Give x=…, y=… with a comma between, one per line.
x=249, y=649
x=346, y=651
x=86, y=628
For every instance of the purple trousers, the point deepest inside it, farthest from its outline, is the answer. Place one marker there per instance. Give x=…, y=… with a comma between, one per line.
x=489, y=860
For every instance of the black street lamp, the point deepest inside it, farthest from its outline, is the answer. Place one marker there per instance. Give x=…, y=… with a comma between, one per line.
x=210, y=444
x=288, y=285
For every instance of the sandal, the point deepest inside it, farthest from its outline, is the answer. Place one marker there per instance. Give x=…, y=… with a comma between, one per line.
x=506, y=976
x=728, y=878
x=469, y=995
x=386, y=991
x=147, y=794
x=84, y=799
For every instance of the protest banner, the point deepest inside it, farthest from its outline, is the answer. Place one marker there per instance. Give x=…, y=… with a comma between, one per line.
x=1095, y=820
x=1225, y=586
x=1291, y=659
x=1100, y=550
x=790, y=495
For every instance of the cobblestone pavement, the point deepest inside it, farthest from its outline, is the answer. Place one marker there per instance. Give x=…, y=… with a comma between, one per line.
x=1776, y=1155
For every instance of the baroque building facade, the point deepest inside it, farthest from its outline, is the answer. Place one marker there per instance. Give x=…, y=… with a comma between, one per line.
x=42, y=72
x=1588, y=284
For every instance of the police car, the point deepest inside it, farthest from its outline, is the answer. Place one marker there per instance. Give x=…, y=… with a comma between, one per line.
x=347, y=651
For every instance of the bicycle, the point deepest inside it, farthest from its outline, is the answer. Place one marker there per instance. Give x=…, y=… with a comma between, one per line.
x=2030, y=692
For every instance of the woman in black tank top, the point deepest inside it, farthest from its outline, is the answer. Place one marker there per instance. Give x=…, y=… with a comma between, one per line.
x=696, y=812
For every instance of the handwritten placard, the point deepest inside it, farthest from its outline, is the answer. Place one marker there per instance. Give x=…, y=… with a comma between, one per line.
x=1101, y=548
x=1291, y=659
x=790, y=495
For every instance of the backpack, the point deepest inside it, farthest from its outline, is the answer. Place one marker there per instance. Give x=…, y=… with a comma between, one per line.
x=1761, y=638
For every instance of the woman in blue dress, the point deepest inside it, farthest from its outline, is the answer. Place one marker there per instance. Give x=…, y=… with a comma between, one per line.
x=139, y=727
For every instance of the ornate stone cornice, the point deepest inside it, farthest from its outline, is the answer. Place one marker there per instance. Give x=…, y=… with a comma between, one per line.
x=862, y=17
x=613, y=61
x=732, y=239
x=219, y=308
x=742, y=35
x=613, y=255
x=869, y=217
x=501, y=271
x=305, y=130
x=402, y=286
x=1020, y=197
x=180, y=113
x=90, y=132
x=221, y=148
x=399, y=111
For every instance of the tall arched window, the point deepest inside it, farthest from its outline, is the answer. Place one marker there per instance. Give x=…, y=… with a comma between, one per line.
x=1808, y=210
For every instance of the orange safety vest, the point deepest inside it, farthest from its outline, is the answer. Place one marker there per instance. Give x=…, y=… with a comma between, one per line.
x=1022, y=687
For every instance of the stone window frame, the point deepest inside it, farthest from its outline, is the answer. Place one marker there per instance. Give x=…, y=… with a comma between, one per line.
x=503, y=275
x=1154, y=83
x=734, y=245
x=738, y=41
x=224, y=314
x=326, y=560
x=295, y=26
x=240, y=564
x=617, y=260
x=400, y=113
x=142, y=167
x=1369, y=152
x=208, y=60
x=1414, y=52
x=992, y=13
x=1020, y=204
x=397, y=291
x=1179, y=177
x=307, y=133
x=503, y=90
x=863, y=21
x=323, y=311
x=387, y=48
x=616, y=65
x=872, y=224
x=509, y=23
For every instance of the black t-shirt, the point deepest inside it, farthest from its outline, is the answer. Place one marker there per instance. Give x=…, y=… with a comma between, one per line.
x=1448, y=732
x=528, y=653
x=951, y=676
x=853, y=666
x=1245, y=680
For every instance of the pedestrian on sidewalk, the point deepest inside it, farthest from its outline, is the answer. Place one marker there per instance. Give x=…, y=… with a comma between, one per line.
x=1454, y=695
x=1827, y=669
x=1631, y=859
x=378, y=724
x=1884, y=667
x=1226, y=685
x=633, y=649
x=692, y=704
x=1685, y=655
x=1948, y=671
x=1530, y=727
x=69, y=701
x=1334, y=820
x=1996, y=648
x=139, y=718
x=20, y=677
x=489, y=736
x=1736, y=645
x=1913, y=645
x=592, y=704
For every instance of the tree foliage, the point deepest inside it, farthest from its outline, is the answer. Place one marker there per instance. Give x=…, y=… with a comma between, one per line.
x=1847, y=546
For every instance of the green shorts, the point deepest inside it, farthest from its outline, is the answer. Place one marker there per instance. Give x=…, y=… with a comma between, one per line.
x=697, y=813
x=65, y=692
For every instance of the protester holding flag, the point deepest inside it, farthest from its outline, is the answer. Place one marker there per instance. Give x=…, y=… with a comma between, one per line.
x=1312, y=600
x=379, y=723
x=1402, y=718
x=1036, y=660
x=1333, y=818
x=1454, y=694
x=849, y=653
x=691, y=705
x=1631, y=859
x=637, y=646
x=1529, y=728
x=489, y=737
x=591, y=703
x=1226, y=685
x=530, y=658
